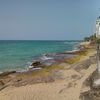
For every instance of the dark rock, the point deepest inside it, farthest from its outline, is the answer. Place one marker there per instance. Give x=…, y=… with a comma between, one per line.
x=90, y=95
x=36, y=64
x=7, y=73
x=94, y=92
x=92, y=79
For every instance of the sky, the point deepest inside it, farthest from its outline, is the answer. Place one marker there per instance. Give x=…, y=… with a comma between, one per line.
x=47, y=19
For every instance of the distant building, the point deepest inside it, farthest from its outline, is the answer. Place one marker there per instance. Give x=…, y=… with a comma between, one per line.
x=98, y=44
x=98, y=27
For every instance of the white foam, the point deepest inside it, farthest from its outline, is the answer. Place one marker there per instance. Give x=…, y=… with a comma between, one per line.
x=30, y=67
x=45, y=58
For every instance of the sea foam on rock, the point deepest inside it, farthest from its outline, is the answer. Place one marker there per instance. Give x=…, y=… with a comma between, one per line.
x=37, y=64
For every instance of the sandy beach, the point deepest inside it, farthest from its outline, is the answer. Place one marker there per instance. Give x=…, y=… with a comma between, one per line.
x=69, y=87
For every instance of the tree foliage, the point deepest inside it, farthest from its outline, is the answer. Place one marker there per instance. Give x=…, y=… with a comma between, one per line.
x=91, y=38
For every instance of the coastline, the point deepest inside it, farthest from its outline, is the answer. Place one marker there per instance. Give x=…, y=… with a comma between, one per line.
x=62, y=76
x=17, y=55
x=47, y=59
x=37, y=67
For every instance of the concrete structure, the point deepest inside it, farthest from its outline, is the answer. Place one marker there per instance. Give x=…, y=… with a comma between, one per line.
x=98, y=44
x=98, y=27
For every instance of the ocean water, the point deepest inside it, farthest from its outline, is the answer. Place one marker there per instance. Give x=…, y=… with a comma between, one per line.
x=17, y=54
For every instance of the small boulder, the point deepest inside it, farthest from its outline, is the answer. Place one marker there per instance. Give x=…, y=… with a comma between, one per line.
x=37, y=64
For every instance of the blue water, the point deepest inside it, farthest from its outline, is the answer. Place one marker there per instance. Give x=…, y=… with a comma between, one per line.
x=17, y=54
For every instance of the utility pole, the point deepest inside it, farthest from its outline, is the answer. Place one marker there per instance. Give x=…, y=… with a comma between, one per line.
x=98, y=42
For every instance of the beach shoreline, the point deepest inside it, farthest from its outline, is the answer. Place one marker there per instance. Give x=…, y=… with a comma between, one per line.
x=18, y=55
x=66, y=72
x=51, y=58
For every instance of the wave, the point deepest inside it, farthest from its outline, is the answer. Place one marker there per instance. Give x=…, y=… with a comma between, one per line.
x=44, y=57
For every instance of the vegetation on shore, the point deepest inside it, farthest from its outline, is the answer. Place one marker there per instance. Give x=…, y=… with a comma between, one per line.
x=78, y=57
x=91, y=38
x=43, y=72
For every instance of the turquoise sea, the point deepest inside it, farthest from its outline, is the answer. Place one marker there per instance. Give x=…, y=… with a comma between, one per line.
x=17, y=54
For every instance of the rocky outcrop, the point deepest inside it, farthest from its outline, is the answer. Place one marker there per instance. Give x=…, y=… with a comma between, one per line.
x=84, y=64
x=6, y=73
x=37, y=64
x=94, y=92
x=34, y=81
x=5, y=79
x=2, y=85
x=81, y=65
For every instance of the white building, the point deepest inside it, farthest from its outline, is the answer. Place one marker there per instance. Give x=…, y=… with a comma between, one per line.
x=98, y=44
x=98, y=27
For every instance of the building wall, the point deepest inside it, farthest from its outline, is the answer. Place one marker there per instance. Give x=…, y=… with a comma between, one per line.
x=98, y=27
